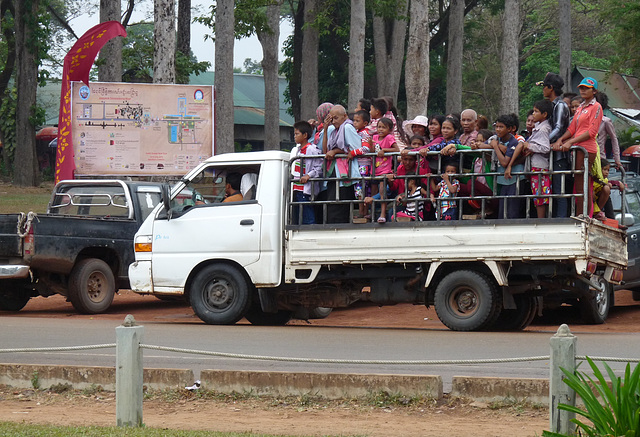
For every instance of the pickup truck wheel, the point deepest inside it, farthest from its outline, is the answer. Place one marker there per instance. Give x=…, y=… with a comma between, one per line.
x=466, y=300
x=91, y=286
x=13, y=300
x=320, y=312
x=519, y=318
x=220, y=295
x=256, y=316
x=594, y=307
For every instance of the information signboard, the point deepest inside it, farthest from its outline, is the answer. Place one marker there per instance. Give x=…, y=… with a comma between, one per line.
x=140, y=129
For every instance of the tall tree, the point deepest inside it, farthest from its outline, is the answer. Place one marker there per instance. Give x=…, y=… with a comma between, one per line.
x=389, y=33
x=564, y=26
x=358, y=24
x=309, y=67
x=454, y=56
x=509, y=59
x=27, y=52
x=110, y=62
x=224, y=33
x=416, y=68
x=7, y=15
x=164, y=41
x=268, y=38
x=183, y=43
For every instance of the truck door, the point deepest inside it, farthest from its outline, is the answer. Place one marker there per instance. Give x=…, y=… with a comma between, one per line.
x=209, y=220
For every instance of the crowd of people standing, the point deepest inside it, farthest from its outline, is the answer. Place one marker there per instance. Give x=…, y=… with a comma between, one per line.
x=373, y=157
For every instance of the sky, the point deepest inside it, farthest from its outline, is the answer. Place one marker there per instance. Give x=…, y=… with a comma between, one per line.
x=203, y=50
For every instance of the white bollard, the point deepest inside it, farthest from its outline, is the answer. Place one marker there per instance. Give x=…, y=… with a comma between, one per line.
x=129, y=373
x=563, y=354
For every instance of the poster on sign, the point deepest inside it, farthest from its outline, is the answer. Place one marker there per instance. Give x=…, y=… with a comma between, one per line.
x=140, y=129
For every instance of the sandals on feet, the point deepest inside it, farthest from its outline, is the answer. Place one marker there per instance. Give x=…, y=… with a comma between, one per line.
x=382, y=219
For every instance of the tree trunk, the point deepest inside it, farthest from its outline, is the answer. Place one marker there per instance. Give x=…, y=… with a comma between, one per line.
x=26, y=169
x=183, y=44
x=164, y=41
x=565, y=42
x=388, y=40
x=356, y=52
x=416, y=68
x=6, y=8
x=454, y=56
x=269, y=41
x=510, y=30
x=296, y=67
x=224, y=134
x=110, y=63
x=309, y=73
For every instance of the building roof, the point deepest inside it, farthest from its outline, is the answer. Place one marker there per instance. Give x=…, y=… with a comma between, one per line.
x=248, y=97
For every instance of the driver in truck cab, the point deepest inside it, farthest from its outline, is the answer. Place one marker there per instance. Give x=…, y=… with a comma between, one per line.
x=232, y=188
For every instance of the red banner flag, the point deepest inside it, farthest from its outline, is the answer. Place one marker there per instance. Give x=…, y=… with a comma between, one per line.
x=77, y=64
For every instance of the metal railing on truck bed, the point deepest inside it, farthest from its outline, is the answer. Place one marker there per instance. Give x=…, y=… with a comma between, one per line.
x=470, y=205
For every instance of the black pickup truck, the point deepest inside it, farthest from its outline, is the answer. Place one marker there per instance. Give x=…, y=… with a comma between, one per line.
x=81, y=248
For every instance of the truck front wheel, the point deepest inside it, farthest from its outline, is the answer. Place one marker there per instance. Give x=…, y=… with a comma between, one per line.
x=91, y=286
x=467, y=300
x=220, y=295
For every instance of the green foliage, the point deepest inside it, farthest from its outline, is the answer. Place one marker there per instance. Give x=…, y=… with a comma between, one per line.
x=625, y=17
x=8, y=123
x=610, y=411
x=628, y=137
x=35, y=380
x=250, y=17
x=137, y=57
x=61, y=388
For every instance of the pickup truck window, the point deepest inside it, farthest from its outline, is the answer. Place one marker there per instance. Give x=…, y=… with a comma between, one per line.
x=209, y=186
x=90, y=201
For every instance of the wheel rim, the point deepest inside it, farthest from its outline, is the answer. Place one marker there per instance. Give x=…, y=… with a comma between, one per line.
x=464, y=301
x=97, y=286
x=602, y=297
x=219, y=294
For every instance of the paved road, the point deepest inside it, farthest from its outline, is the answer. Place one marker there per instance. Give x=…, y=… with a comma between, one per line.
x=304, y=341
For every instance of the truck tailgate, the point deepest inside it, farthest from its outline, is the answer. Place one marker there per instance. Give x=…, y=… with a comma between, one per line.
x=607, y=244
x=10, y=242
x=458, y=241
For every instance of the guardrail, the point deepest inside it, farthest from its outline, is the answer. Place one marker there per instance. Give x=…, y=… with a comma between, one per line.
x=129, y=369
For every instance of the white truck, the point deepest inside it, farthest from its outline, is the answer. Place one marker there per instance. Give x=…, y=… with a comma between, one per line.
x=245, y=258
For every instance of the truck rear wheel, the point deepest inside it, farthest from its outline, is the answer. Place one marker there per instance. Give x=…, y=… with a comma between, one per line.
x=220, y=295
x=91, y=286
x=519, y=318
x=256, y=316
x=595, y=304
x=13, y=299
x=467, y=300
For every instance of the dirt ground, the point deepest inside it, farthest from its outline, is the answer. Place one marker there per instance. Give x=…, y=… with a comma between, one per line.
x=290, y=416
x=451, y=417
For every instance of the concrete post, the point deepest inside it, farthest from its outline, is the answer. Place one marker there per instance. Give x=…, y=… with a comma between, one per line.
x=129, y=373
x=563, y=354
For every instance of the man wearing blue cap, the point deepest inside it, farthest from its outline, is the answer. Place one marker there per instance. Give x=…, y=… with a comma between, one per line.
x=559, y=120
x=582, y=132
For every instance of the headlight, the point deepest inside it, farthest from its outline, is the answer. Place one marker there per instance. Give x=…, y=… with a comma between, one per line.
x=142, y=243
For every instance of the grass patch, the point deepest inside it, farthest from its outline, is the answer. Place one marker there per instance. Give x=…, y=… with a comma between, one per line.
x=24, y=199
x=516, y=405
x=18, y=430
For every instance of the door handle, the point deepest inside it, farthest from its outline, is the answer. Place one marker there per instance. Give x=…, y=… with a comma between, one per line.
x=246, y=222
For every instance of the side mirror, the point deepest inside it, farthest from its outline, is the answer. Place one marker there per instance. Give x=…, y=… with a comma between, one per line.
x=627, y=221
x=166, y=203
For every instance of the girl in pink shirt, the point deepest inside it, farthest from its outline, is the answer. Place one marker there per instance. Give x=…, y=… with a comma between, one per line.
x=383, y=143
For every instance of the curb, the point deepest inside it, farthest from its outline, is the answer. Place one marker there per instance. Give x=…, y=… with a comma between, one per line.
x=327, y=385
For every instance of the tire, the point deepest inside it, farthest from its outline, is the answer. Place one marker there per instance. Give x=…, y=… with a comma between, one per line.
x=91, y=286
x=320, y=312
x=256, y=316
x=220, y=295
x=519, y=318
x=13, y=300
x=594, y=307
x=467, y=300
x=635, y=294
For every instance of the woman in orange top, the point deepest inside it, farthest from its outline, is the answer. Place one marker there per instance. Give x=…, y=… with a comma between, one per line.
x=582, y=132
